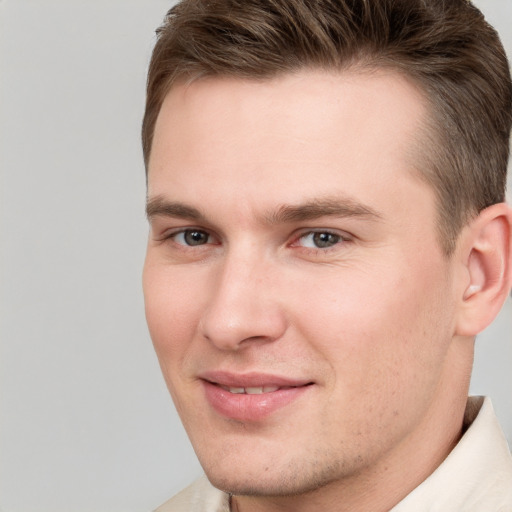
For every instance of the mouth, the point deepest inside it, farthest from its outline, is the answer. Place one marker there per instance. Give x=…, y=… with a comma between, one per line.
x=251, y=397
x=258, y=390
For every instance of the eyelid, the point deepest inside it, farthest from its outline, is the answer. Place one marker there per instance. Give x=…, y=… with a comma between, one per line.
x=170, y=234
x=344, y=238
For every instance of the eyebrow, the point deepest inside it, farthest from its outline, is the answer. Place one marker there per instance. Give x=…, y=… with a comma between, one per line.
x=324, y=207
x=158, y=206
x=313, y=209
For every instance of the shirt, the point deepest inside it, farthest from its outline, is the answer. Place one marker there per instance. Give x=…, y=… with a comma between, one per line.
x=475, y=477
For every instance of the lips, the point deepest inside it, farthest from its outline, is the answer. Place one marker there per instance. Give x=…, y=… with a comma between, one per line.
x=250, y=397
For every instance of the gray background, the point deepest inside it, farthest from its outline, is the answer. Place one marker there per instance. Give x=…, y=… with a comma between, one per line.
x=86, y=423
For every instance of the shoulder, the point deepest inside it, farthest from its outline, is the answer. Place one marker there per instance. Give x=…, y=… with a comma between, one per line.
x=201, y=496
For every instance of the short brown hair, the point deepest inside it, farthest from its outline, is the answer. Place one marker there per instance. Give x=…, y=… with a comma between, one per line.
x=444, y=46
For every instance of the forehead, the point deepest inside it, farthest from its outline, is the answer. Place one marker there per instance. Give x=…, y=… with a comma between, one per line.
x=301, y=134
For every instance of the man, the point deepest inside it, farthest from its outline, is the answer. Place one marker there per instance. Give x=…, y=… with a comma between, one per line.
x=328, y=236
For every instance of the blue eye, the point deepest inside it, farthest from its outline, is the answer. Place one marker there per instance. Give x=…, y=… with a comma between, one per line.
x=320, y=240
x=192, y=237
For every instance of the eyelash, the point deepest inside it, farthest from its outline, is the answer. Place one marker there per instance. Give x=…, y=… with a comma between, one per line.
x=172, y=236
x=341, y=239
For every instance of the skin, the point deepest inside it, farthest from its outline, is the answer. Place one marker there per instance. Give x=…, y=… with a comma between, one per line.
x=372, y=321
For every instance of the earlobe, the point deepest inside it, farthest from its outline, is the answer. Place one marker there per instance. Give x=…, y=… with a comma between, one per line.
x=487, y=253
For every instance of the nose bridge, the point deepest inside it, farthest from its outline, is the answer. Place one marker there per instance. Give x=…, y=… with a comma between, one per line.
x=243, y=306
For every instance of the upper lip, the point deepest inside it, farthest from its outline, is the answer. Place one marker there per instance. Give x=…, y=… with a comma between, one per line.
x=252, y=379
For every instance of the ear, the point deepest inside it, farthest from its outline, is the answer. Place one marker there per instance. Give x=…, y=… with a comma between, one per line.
x=486, y=251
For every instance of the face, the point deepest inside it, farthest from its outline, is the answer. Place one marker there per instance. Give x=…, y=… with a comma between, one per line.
x=296, y=293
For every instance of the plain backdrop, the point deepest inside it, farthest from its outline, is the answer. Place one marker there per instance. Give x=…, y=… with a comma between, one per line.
x=86, y=422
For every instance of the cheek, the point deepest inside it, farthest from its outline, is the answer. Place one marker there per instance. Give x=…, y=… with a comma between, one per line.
x=384, y=361
x=382, y=329
x=171, y=315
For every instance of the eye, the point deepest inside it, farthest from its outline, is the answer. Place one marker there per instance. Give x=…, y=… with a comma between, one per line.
x=191, y=237
x=319, y=240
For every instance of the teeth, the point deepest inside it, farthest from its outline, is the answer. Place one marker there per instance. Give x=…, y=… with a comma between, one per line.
x=236, y=391
x=254, y=391
x=251, y=390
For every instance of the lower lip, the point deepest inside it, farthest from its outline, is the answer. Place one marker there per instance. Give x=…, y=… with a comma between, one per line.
x=247, y=407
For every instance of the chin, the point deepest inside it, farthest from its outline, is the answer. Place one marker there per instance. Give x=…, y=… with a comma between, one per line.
x=289, y=479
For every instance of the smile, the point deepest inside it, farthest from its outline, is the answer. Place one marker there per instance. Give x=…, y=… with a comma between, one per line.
x=250, y=397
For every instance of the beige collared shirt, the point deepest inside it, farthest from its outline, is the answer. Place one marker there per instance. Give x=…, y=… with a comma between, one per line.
x=475, y=477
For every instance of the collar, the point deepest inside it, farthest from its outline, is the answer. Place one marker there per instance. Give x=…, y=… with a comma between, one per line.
x=477, y=474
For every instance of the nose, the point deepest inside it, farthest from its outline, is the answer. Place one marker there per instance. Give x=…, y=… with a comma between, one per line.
x=244, y=306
